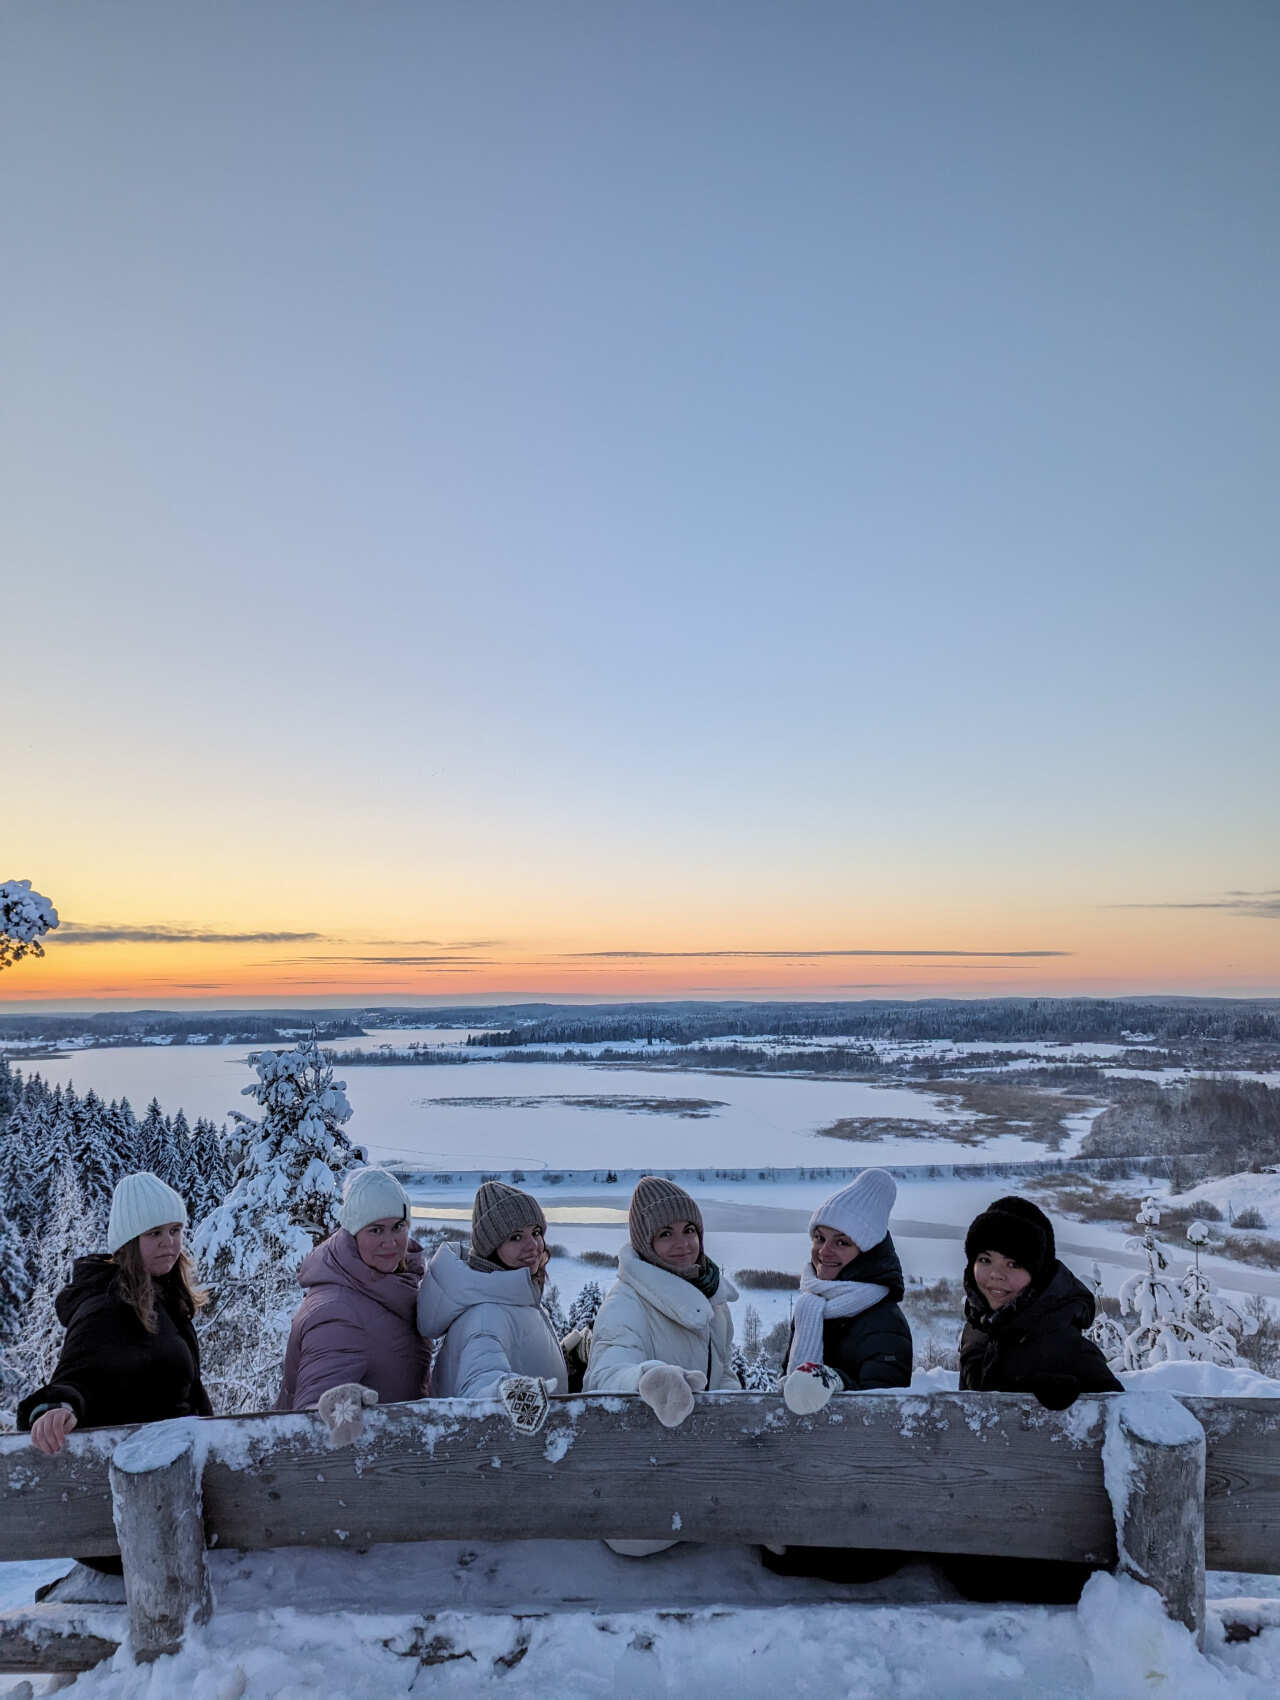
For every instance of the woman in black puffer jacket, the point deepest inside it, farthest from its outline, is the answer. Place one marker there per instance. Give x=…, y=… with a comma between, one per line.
x=1024, y=1332
x=848, y=1333
x=130, y=1353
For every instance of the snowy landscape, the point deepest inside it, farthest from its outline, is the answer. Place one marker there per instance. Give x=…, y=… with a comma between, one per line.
x=756, y=1149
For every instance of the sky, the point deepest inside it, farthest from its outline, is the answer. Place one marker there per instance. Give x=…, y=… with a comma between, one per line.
x=731, y=499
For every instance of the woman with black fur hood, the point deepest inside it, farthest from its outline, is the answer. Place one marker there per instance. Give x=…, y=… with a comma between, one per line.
x=1025, y=1317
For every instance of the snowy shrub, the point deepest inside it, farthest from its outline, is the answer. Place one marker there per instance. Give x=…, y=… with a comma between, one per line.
x=1249, y=1218
x=1175, y=1319
x=767, y=1280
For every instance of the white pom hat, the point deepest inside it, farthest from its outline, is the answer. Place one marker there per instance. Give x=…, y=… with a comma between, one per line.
x=861, y=1210
x=371, y=1195
x=140, y=1202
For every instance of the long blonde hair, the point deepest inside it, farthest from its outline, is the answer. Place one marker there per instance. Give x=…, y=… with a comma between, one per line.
x=179, y=1287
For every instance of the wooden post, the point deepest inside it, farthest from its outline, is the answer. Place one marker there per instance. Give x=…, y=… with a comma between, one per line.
x=155, y=1491
x=1153, y=1465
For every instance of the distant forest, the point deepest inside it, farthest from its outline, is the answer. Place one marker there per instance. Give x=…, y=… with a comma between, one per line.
x=1009, y=1020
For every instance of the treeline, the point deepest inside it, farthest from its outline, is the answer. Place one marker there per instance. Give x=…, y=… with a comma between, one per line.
x=138, y=1027
x=61, y=1155
x=1232, y=1126
x=1092, y=1020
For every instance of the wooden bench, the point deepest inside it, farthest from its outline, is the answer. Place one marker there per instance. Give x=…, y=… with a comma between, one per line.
x=1159, y=1487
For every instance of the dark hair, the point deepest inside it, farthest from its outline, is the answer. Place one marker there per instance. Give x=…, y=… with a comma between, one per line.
x=179, y=1289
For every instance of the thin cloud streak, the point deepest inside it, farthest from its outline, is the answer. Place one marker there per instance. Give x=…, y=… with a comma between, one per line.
x=79, y=932
x=1258, y=905
x=773, y=955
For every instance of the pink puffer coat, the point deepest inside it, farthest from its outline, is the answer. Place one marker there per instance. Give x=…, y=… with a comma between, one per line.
x=355, y=1324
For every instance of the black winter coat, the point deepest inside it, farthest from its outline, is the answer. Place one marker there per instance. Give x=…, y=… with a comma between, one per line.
x=872, y=1349
x=110, y=1370
x=1039, y=1333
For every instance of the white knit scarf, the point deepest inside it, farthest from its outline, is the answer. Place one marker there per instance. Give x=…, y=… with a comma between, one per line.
x=823, y=1301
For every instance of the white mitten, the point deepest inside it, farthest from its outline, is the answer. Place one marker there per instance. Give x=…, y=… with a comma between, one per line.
x=697, y=1380
x=808, y=1388
x=665, y=1390
x=342, y=1410
x=525, y=1397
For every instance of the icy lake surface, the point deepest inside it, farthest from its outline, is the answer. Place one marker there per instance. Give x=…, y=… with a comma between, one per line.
x=549, y=1115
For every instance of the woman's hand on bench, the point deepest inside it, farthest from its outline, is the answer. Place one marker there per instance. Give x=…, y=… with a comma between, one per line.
x=50, y=1430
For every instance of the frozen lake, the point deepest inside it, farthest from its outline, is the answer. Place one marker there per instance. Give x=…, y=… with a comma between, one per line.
x=550, y=1115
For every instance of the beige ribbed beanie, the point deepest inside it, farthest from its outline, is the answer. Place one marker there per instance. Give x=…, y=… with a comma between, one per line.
x=501, y=1210
x=656, y=1203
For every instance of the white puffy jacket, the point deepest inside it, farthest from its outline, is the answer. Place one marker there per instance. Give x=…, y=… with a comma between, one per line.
x=493, y=1325
x=651, y=1316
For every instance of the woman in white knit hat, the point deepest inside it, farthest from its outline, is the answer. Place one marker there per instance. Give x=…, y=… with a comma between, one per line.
x=130, y=1354
x=485, y=1305
x=354, y=1340
x=848, y=1332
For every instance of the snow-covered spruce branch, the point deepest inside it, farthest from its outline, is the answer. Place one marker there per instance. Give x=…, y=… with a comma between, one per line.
x=25, y=917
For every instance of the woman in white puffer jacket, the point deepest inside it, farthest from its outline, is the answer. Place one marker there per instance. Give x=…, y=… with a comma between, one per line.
x=664, y=1330
x=488, y=1304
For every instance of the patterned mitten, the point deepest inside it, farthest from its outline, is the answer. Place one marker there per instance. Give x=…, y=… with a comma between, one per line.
x=342, y=1410
x=525, y=1397
x=665, y=1390
x=808, y=1388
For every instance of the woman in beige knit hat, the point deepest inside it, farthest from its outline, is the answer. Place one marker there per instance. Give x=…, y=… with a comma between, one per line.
x=664, y=1330
x=487, y=1304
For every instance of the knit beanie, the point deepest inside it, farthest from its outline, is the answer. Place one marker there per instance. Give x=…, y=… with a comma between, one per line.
x=498, y=1212
x=140, y=1202
x=371, y=1195
x=860, y=1210
x=1015, y=1228
x=657, y=1203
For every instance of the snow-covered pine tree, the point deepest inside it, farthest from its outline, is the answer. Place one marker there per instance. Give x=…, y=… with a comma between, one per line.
x=1216, y=1319
x=155, y=1144
x=68, y=1232
x=90, y=1152
x=284, y=1201
x=122, y=1139
x=582, y=1312
x=208, y=1177
x=761, y=1376
x=1105, y=1332
x=15, y=1297
x=555, y=1311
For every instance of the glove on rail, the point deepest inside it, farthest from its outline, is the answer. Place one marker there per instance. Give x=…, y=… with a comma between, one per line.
x=668, y=1392
x=342, y=1410
x=808, y=1388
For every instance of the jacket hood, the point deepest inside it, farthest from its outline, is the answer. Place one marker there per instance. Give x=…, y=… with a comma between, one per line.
x=91, y=1278
x=451, y=1286
x=671, y=1294
x=1063, y=1302
x=336, y=1262
x=880, y=1265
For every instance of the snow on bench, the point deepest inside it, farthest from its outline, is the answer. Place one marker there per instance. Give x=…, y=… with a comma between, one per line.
x=1159, y=1486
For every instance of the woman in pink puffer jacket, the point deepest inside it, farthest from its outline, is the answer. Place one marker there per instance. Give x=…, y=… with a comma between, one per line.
x=354, y=1339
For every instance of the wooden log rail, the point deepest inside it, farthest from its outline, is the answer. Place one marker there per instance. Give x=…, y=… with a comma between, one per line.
x=1188, y=1483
